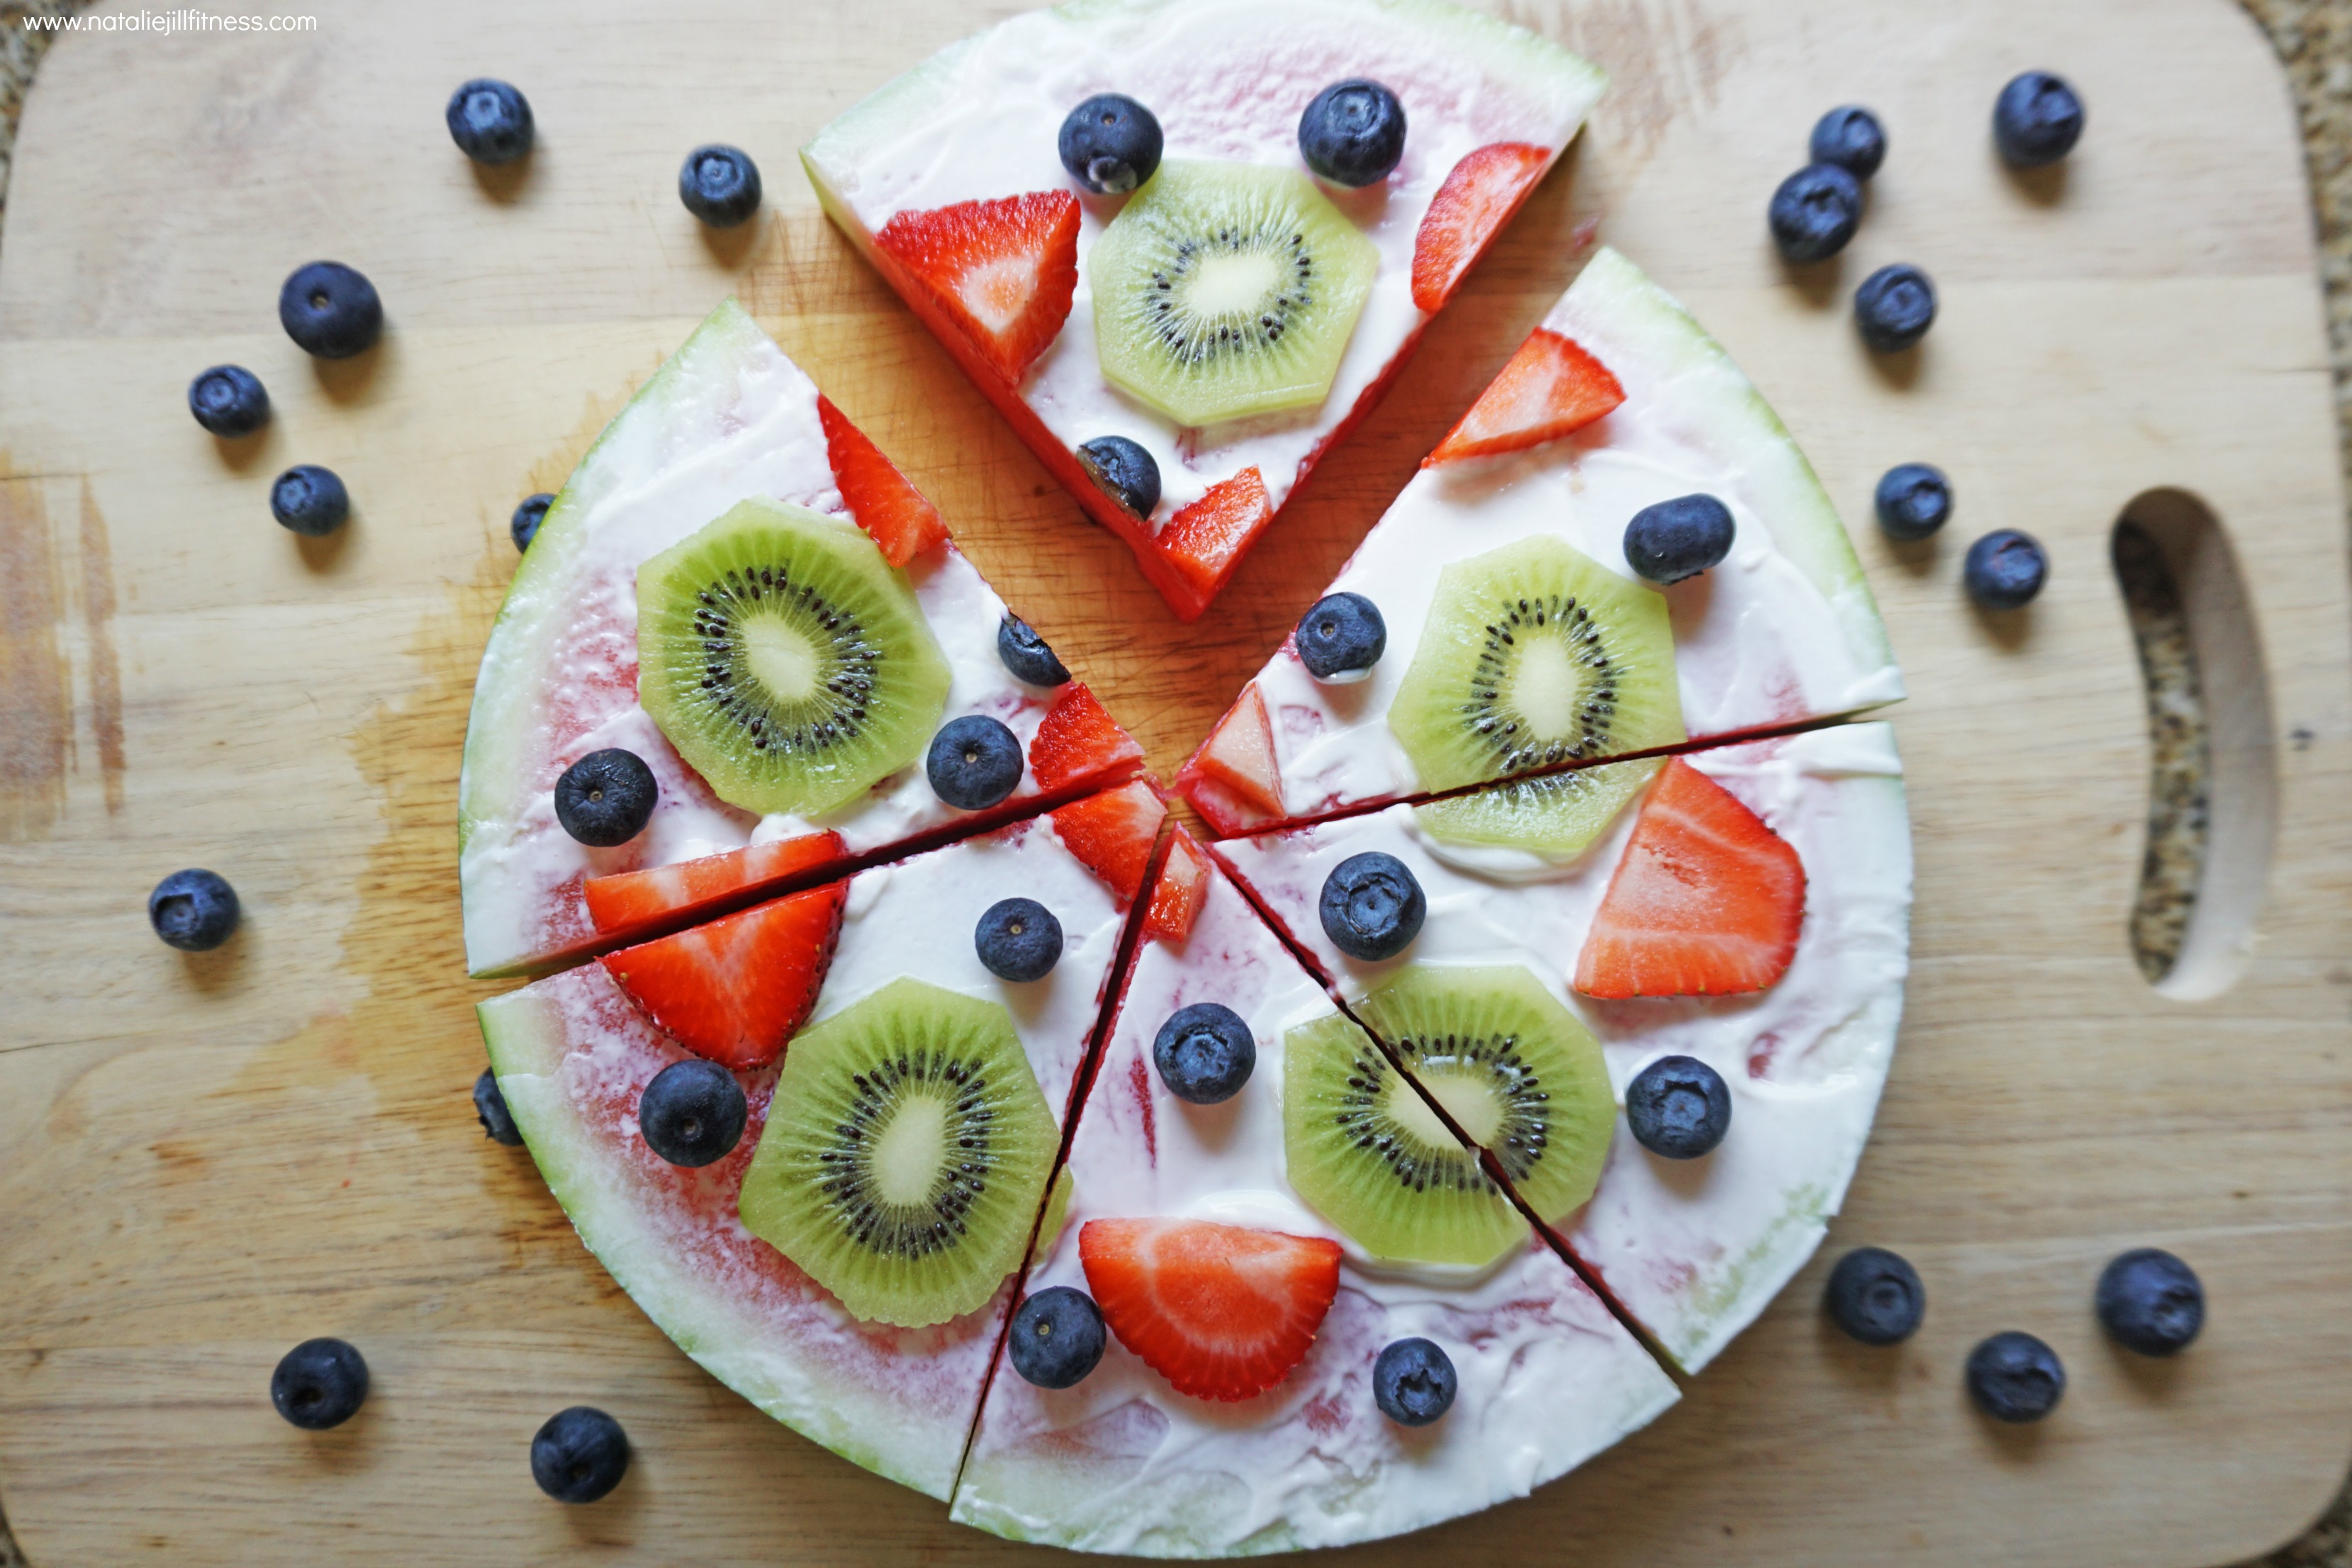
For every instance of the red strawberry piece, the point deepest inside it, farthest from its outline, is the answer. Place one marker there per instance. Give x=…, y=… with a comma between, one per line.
x=1470, y=209
x=1707, y=902
x=1079, y=740
x=1176, y=897
x=1239, y=753
x=1549, y=388
x=630, y=901
x=1002, y=271
x=1113, y=833
x=893, y=512
x=736, y=989
x=1222, y=1312
x=1205, y=541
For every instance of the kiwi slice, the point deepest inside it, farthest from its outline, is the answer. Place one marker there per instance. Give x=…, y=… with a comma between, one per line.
x=1516, y=1071
x=1556, y=816
x=1532, y=655
x=785, y=660
x=1226, y=290
x=1368, y=1153
x=905, y=1155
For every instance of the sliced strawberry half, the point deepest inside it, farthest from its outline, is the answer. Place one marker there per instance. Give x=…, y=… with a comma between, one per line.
x=1205, y=541
x=1078, y=740
x=892, y=511
x=1176, y=897
x=1239, y=753
x=1707, y=902
x=1222, y=1312
x=1113, y=833
x=736, y=989
x=1470, y=209
x=631, y=900
x=1549, y=388
x=1002, y=271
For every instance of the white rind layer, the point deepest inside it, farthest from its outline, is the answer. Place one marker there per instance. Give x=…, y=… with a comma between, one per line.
x=1691, y=1250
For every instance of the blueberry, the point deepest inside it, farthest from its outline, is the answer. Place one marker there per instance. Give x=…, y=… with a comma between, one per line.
x=1413, y=1382
x=719, y=184
x=1025, y=652
x=229, y=400
x=192, y=910
x=2150, y=1301
x=1913, y=501
x=1204, y=1053
x=310, y=501
x=1371, y=906
x=975, y=761
x=1341, y=637
x=1813, y=213
x=329, y=311
x=2036, y=120
x=693, y=1112
x=579, y=1455
x=1875, y=1296
x=1894, y=307
x=606, y=797
x=490, y=1106
x=1124, y=471
x=2015, y=1377
x=490, y=120
x=2005, y=569
x=319, y=1383
x=1352, y=133
x=528, y=514
x=1057, y=1337
x=1018, y=939
x=1678, y=1107
x=1850, y=137
x=1679, y=538
x=1110, y=144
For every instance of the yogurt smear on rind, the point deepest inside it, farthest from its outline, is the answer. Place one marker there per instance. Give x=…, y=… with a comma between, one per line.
x=1691, y=1250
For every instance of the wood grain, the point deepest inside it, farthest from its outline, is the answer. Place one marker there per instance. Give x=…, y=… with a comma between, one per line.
x=204, y=1159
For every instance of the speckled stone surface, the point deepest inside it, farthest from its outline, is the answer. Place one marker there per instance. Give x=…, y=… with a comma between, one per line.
x=2313, y=41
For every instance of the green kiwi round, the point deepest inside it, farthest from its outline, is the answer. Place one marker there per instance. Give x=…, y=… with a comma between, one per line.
x=1557, y=815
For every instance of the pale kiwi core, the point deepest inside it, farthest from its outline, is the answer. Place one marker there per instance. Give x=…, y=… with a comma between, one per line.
x=907, y=1156
x=1550, y=687
x=781, y=656
x=1467, y=1098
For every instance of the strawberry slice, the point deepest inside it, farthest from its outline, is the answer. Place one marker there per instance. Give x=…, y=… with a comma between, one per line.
x=1470, y=209
x=1205, y=541
x=1113, y=833
x=893, y=512
x=1707, y=902
x=1176, y=897
x=1549, y=388
x=630, y=901
x=1239, y=753
x=736, y=989
x=1002, y=271
x=1078, y=740
x=1222, y=1312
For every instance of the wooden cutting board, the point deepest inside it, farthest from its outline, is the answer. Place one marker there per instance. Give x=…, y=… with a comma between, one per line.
x=206, y=1159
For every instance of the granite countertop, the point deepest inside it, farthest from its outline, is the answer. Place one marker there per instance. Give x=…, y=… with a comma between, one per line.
x=2313, y=41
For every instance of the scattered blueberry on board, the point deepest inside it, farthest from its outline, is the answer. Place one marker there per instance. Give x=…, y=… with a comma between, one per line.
x=974, y=761
x=1678, y=1107
x=1679, y=538
x=1057, y=1337
x=329, y=311
x=229, y=401
x=1913, y=501
x=193, y=910
x=491, y=1106
x=1813, y=213
x=1110, y=144
x=1341, y=637
x=579, y=1455
x=1850, y=137
x=319, y=1384
x=1413, y=1382
x=490, y=120
x=1025, y=652
x=1371, y=906
x=1875, y=1296
x=1204, y=1053
x=606, y=797
x=719, y=184
x=311, y=500
x=2150, y=1301
x=1894, y=307
x=693, y=1112
x=2036, y=121
x=2016, y=1378
x=1124, y=471
x=2005, y=569
x=1018, y=940
x=1352, y=133
x=528, y=514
